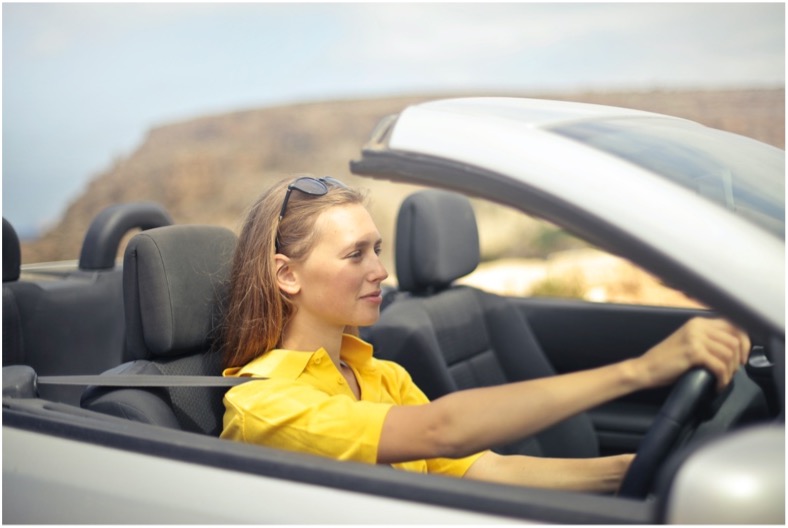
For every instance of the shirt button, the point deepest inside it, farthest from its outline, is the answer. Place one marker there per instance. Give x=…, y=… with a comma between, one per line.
x=340, y=380
x=318, y=360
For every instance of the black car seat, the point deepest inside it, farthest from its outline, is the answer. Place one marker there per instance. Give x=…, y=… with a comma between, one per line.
x=71, y=321
x=13, y=348
x=452, y=337
x=174, y=284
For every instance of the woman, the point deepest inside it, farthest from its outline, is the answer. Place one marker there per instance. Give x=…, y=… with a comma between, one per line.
x=307, y=272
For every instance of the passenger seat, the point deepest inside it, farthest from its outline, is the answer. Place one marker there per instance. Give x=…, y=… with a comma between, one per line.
x=453, y=337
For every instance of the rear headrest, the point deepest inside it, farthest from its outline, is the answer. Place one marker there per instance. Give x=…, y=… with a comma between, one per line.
x=437, y=240
x=174, y=282
x=12, y=256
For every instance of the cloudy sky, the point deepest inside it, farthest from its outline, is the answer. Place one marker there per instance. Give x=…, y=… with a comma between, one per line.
x=82, y=83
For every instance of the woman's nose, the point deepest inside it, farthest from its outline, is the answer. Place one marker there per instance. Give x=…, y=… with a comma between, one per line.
x=379, y=274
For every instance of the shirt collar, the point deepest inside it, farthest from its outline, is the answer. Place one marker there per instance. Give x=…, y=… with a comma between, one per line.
x=355, y=351
x=289, y=364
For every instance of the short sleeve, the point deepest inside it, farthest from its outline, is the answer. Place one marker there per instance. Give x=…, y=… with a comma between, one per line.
x=298, y=417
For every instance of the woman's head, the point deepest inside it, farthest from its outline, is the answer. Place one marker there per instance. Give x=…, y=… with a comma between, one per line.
x=260, y=304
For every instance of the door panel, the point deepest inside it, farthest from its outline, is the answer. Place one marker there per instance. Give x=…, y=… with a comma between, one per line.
x=578, y=335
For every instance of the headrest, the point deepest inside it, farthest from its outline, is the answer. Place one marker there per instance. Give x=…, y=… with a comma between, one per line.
x=12, y=256
x=108, y=228
x=437, y=240
x=174, y=282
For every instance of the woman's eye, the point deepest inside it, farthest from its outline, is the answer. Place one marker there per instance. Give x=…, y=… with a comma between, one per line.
x=359, y=254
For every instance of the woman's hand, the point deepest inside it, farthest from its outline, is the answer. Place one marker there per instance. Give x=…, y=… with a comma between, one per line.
x=714, y=344
x=599, y=475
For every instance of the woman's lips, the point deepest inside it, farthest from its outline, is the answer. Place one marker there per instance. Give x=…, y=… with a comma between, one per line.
x=375, y=297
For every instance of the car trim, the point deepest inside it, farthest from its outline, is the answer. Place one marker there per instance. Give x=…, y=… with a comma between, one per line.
x=508, y=501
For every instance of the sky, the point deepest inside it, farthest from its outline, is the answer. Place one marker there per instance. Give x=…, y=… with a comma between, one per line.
x=83, y=83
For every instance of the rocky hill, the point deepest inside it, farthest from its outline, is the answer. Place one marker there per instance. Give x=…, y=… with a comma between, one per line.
x=209, y=169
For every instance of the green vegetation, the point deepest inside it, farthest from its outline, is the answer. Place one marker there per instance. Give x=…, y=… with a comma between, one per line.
x=571, y=286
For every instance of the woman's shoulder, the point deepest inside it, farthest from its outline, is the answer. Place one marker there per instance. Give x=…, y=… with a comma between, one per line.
x=278, y=363
x=361, y=353
x=388, y=366
x=394, y=376
x=270, y=394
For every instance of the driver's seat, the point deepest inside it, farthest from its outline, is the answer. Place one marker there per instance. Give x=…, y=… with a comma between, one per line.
x=453, y=337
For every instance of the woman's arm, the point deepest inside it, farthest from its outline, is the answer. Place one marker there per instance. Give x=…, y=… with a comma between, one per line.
x=470, y=421
x=602, y=474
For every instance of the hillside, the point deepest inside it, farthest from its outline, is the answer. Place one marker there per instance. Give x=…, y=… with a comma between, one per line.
x=209, y=169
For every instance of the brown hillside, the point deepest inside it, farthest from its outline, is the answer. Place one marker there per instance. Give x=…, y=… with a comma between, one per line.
x=209, y=169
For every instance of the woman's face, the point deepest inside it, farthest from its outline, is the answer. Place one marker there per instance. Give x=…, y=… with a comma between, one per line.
x=340, y=278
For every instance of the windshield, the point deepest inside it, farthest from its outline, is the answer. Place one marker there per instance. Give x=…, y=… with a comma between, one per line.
x=742, y=175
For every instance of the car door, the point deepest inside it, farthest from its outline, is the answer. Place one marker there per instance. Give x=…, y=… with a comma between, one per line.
x=578, y=335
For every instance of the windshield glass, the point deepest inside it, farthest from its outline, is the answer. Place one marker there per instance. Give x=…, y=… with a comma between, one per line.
x=742, y=175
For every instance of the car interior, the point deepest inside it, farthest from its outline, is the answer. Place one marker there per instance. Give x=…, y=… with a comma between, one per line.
x=452, y=337
x=81, y=309
x=158, y=315
x=175, y=279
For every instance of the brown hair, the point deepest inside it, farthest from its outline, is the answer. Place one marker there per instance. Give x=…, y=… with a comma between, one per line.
x=257, y=312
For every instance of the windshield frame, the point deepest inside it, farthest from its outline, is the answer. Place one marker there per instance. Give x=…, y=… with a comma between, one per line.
x=744, y=176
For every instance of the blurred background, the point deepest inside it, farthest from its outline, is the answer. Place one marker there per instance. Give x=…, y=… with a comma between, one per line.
x=197, y=106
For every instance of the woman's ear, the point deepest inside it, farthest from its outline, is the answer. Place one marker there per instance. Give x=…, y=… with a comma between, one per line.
x=286, y=278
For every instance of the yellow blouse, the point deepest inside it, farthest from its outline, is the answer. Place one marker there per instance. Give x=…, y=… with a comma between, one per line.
x=306, y=405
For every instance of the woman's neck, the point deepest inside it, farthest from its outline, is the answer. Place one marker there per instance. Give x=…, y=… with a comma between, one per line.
x=309, y=337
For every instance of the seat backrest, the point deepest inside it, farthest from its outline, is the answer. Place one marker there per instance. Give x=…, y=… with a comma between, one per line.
x=13, y=349
x=453, y=337
x=71, y=321
x=174, y=285
x=12, y=255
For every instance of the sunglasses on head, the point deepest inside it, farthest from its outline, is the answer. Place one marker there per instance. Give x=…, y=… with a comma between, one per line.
x=311, y=186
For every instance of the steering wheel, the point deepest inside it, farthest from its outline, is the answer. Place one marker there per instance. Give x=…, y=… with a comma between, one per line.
x=684, y=403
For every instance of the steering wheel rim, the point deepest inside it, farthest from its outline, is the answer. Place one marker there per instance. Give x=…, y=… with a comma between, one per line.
x=683, y=403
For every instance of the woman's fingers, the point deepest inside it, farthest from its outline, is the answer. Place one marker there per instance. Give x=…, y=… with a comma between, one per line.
x=714, y=344
x=722, y=361
x=731, y=336
x=719, y=346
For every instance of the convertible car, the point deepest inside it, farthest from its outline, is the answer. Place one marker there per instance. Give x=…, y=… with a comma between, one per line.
x=112, y=400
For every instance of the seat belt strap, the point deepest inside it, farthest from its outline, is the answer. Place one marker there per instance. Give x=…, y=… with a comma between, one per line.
x=143, y=380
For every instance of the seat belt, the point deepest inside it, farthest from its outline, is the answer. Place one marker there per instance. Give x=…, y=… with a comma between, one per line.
x=144, y=380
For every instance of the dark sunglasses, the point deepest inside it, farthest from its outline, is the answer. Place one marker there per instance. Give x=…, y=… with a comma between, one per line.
x=311, y=186
x=307, y=185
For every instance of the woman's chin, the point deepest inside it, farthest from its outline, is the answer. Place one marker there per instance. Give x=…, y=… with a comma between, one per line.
x=369, y=320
